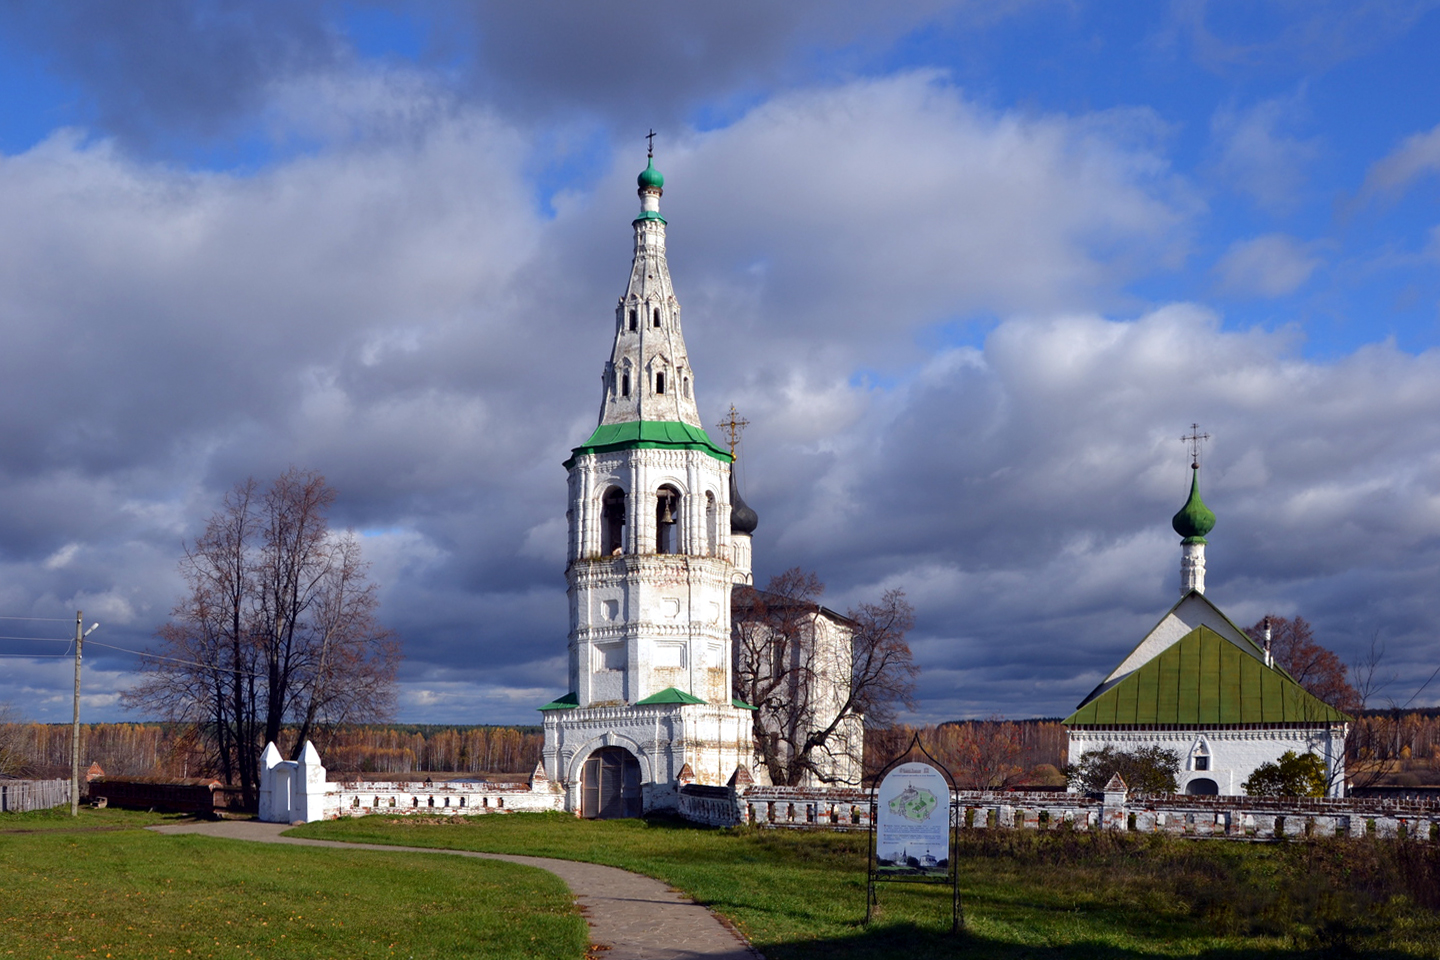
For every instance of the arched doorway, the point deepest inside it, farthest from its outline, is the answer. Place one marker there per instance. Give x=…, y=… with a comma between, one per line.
x=610, y=785
x=1202, y=787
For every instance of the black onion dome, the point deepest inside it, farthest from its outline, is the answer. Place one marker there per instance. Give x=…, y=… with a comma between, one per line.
x=742, y=518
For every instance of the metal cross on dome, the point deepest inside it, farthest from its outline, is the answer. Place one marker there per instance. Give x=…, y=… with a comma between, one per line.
x=650, y=145
x=1195, y=438
x=733, y=425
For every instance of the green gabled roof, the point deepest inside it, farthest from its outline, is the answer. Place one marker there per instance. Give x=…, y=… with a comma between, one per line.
x=568, y=702
x=638, y=434
x=1193, y=596
x=737, y=702
x=1204, y=679
x=668, y=695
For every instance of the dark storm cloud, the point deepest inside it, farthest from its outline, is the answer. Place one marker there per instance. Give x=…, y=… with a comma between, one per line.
x=157, y=75
x=159, y=71
x=635, y=59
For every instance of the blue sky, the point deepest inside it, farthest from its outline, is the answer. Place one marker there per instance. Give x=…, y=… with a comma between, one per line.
x=971, y=269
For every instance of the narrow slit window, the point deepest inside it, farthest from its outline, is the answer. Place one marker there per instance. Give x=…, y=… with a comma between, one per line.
x=659, y=383
x=625, y=385
x=657, y=316
x=633, y=318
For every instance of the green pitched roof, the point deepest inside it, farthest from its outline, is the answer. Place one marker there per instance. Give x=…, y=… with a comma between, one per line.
x=568, y=702
x=668, y=695
x=635, y=434
x=737, y=702
x=1204, y=679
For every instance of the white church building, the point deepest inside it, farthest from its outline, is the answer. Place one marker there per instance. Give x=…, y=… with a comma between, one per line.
x=1198, y=685
x=654, y=548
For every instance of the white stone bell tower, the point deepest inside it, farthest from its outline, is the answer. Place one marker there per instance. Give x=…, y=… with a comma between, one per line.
x=649, y=569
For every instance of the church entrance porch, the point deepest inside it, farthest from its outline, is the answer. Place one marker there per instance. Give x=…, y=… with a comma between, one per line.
x=610, y=785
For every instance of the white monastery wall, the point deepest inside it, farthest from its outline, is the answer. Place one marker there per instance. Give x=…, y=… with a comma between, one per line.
x=1233, y=755
x=294, y=791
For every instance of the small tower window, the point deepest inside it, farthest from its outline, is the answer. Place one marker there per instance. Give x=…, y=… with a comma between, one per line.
x=686, y=387
x=633, y=318
x=625, y=385
x=659, y=383
x=657, y=316
x=667, y=520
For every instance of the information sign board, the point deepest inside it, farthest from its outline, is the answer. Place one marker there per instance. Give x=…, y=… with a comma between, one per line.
x=912, y=823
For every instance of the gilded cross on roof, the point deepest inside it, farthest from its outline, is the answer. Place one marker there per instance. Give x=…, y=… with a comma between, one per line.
x=1195, y=438
x=732, y=426
x=650, y=145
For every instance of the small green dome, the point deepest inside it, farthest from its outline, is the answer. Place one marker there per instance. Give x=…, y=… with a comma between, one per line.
x=650, y=177
x=1194, y=519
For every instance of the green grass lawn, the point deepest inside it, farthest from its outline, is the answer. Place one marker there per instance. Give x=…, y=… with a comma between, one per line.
x=1061, y=895
x=100, y=886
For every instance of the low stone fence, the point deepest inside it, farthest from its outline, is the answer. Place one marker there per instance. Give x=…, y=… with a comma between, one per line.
x=1253, y=818
x=457, y=798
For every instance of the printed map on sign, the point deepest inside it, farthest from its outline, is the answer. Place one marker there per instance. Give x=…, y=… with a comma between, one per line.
x=912, y=822
x=914, y=804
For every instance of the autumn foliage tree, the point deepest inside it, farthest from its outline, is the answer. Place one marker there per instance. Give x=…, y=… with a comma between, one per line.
x=1314, y=667
x=811, y=685
x=277, y=626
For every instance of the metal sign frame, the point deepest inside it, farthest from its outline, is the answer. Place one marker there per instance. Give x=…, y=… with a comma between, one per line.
x=957, y=914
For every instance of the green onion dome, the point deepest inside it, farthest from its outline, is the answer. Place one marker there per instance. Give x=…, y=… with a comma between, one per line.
x=650, y=177
x=1194, y=519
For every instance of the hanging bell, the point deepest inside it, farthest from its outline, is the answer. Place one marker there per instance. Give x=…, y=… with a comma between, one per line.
x=667, y=516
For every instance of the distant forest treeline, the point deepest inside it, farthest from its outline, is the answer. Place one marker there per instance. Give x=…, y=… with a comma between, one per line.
x=1404, y=746
x=173, y=750
x=1384, y=746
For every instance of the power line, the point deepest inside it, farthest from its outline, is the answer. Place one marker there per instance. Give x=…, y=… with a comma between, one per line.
x=46, y=619
x=188, y=663
x=37, y=656
x=111, y=646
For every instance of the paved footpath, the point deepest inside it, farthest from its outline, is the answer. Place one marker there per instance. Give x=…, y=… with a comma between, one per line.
x=633, y=917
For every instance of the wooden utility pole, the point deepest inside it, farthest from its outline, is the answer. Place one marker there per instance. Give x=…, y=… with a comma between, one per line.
x=75, y=731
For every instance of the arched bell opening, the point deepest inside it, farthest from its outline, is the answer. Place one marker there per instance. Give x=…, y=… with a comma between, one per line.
x=610, y=785
x=612, y=522
x=667, y=520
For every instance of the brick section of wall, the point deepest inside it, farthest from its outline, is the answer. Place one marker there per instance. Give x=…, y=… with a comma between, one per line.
x=455, y=799
x=1238, y=818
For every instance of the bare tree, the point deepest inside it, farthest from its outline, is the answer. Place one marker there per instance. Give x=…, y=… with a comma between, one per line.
x=1312, y=666
x=986, y=755
x=13, y=761
x=278, y=626
x=816, y=677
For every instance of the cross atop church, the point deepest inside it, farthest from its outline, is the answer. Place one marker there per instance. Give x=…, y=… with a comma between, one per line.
x=650, y=145
x=1195, y=438
x=732, y=426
